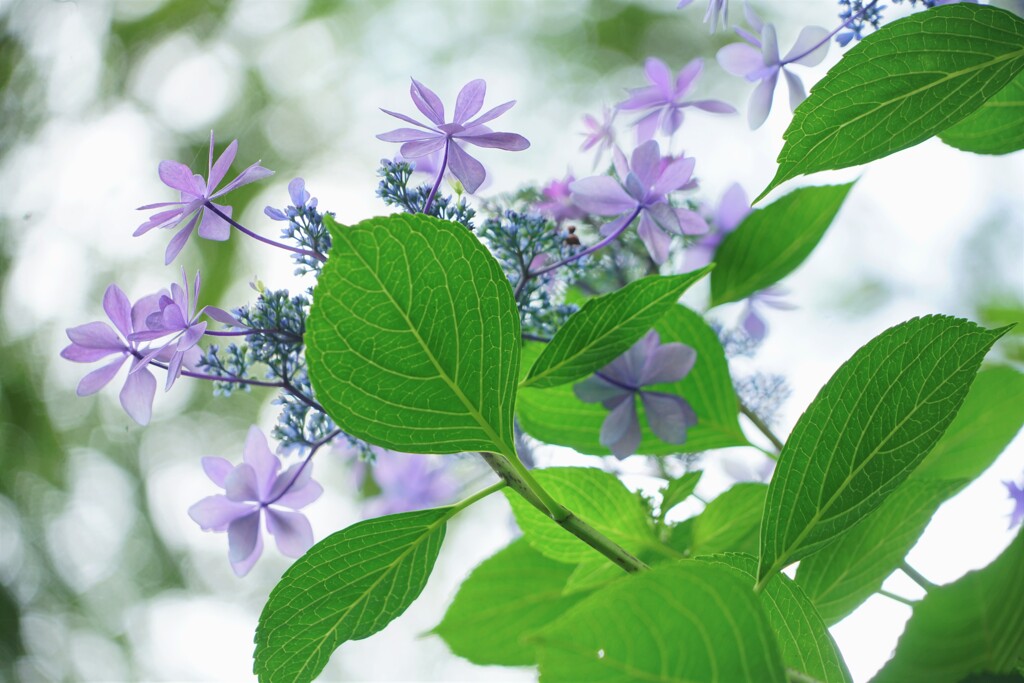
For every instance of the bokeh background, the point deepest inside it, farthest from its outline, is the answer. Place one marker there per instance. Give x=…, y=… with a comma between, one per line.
x=103, y=577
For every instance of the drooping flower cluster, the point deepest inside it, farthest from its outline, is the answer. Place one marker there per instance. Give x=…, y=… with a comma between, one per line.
x=304, y=226
x=617, y=385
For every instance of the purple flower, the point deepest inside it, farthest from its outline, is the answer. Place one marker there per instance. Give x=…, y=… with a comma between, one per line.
x=752, y=319
x=176, y=317
x=600, y=134
x=558, y=201
x=665, y=99
x=407, y=482
x=195, y=192
x=1017, y=496
x=439, y=135
x=645, y=184
x=252, y=488
x=616, y=385
x=300, y=197
x=732, y=209
x=717, y=10
x=758, y=60
x=97, y=340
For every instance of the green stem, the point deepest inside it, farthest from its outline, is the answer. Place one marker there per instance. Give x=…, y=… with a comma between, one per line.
x=763, y=427
x=897, y=598
x=917, y=577
x=479, y=495
x=519, y=479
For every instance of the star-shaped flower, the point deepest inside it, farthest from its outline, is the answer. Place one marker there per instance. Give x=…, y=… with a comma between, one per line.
x=428, y=138
x=252, y=489
x=195, y=192
x=617, y=384
x=1017, y=496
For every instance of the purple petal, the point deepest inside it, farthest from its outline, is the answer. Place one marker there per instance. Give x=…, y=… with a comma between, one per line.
x=216, y=513
x=683, y=3
x=643, y=98
x=464, y=167
x=491, y=114
x=81, y=354
x=95, y=335
x=675, y=175
x=177, y=175
x=177, y=242
x=407, y=119
x=249, y=175
x=761, y=101
x=656, y=241
x=740, y=59
x=511, y=142
x=297, y=192
x=97, y=379
x=193, y=333
x=596, y=390
x=673, y=120
x=173, y=370
x=601, y=195
x=713, y=106
x=646, y=162
x=421, y=148
x=688, y=75
x=300, y=498
x=647, y=126
x=213, y=226
x=810, y=37
x=291, y=530
x=658, y=74
x=137, y=396
x=617, y=225
x=118, y=308
x=470, y=100
x=160, y=220
x=668, y=416
x=241, y=486
x=217, y=469
x=690, y=222
x=620, y=431
x=797, y=94
x=275, y=214
x=755, y=21
x=754, y=325
x=427, y=102
x=227, y=157
x=222, y=316
x=243, y=537
x=668, y=363
x=769, y=46
x=665, y=217
x=265, y=464
x=733, y=208
x=626, y=369
x=406, y=135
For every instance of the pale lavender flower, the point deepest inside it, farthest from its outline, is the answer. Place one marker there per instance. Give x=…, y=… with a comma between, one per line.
x=450, y=136
x=176, y=317
x=617, y=384
x=718, y=10
x=301, y=199
x=758, y=60
x=752, y=320
x=643, y=187
x=732, y=209
x=97, y=340
x=253, y=488
x=407, y=482
x=599, y=134
x=558, y=202
x=195, y=192
x=1017, y=496
x=665, y=98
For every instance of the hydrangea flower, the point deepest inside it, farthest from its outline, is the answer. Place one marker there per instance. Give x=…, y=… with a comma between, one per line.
x=97, y=340
x=758, y=60
x=176, y=317
x=718, y=10
x=195, y=192
x=407, y=482
x=665, y=98
x=252, y=489
x=732, y=209
x=617, y=384
x=301, y=199
x=558, y=202
x=646, y=181
x=1017, y=496
x=428, y=138
x=600, y=134
x=752, y=320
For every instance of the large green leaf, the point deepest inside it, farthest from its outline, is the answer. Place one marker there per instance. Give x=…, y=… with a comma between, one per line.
x=804, y=641
x=904, y=83
x=606, y=327
x=413, y=340
x=346, y=587
x=596, y=497
x=731, y=522
x=996, y=127
x=840, y=578
x=511, y=594
x=687, y=621
x=973, y=625
x=873, y=422
x=556, y=416
x=677, y=490
x=771, y=242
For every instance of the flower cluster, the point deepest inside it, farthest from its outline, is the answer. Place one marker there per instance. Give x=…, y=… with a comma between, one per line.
x=304, y=226
x=857, y=15
x=394, y=190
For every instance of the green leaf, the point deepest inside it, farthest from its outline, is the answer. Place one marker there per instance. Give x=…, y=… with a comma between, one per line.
x=996, y=127
x=677, y=490
x=685, y=621
x=731, y=522
x=346, y=587
x=680, y=536
x=771, y=242
x=873, y=422
x=990, y=418
x=595, y=496
x=513, y=593
x=908, y=81
x=973, y=625
x=804, y=641
x=606, y=327
x=853, y=568
x=556, y=416
x=591, y=574
x=413, y=339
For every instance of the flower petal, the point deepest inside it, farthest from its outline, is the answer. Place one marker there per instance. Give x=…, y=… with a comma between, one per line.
x=217, y=469
x=265, y=464
x=427, y=101
x=470, y=100
x=137, y=396
x=177, y=242
x=761, y=101
x=177, y=175
x=406, y=135
x=769, y=45
x=668, y=416
x=224, y=161
x=713, y=106
x=491, y=114
x=688, y=76
x=797, y=94
x=753, y=324
x=620, y=431
x=668, y=363
x=298, y=498
x=675, y=175
x=511, y=142
x=597, y=390
x=601, y=195
x=241, y=486
x=658, y=74
x=243, y=540
x=656, y=240
x=421, y=148
x=291, y=530
x=96, y=335
x=732, y=209
x=645, y=162
x=216, y=513
x=249, y=175
x=464, y=167
x=647, y=126
x=97, y=379
x=740, y=59
x=801, y=53
x=213, y=226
